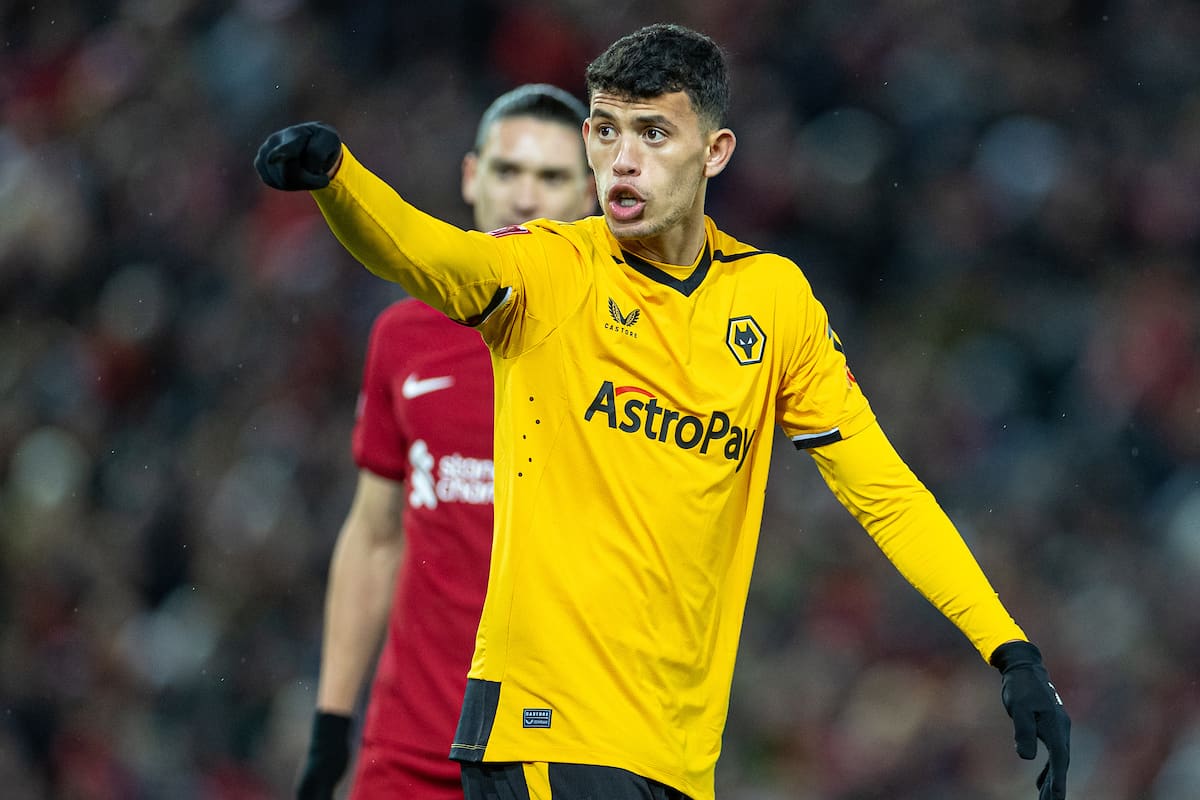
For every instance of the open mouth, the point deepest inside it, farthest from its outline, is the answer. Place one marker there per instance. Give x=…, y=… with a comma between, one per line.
x=624, y=202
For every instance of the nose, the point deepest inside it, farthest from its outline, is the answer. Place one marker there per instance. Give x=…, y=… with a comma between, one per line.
x=527, y=196
x=626, y=162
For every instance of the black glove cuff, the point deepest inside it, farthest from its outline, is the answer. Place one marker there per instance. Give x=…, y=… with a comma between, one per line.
x=330, y=730
x=1015, y=654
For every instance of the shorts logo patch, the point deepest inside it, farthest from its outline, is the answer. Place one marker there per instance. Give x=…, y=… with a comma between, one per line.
x=536, y=718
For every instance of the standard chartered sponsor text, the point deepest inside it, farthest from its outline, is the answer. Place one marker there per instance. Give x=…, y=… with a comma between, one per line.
x=465, y=480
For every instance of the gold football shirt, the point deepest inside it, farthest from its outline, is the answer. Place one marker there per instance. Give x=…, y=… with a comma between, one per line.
x=635, y=404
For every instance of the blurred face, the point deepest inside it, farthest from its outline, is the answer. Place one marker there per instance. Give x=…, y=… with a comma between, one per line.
x=527, y=168
x=652, y=159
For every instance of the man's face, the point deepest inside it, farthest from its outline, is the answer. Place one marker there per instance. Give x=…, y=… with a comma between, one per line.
x=651, y=157
x=527, y=168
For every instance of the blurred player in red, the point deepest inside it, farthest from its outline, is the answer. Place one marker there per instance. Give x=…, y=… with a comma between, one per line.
x=412, y=555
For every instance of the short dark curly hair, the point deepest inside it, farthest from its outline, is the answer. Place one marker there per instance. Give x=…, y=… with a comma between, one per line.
x=663, y=58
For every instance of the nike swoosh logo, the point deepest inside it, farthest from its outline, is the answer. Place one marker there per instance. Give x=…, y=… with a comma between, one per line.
x=415, y=387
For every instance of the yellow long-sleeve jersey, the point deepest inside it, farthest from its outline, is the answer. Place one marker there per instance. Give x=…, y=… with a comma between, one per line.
x=634, y=408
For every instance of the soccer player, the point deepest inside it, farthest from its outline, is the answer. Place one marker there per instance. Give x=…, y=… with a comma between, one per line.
x=423, y=442
x=641, y=359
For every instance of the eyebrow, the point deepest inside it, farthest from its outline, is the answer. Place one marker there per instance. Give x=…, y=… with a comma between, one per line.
x=545, y=171
x=644, y=119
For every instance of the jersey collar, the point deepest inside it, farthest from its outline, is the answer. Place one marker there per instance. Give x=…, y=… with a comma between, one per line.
x=685, y=286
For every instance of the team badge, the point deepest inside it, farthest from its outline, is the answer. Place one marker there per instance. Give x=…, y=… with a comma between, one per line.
x=746, y=340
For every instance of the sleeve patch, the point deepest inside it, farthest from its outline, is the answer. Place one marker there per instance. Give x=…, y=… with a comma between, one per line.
x=807, y=441
x=508, y=230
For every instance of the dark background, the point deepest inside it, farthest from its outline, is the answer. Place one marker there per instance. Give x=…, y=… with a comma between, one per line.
x=998, y=202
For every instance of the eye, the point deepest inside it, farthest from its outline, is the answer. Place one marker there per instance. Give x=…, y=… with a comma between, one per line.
x=605, y=131
x=655, y=135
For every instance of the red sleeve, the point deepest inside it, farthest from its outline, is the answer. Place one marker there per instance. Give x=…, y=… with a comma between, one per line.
x=378, y=442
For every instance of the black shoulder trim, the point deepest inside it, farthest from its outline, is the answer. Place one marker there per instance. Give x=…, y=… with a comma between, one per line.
x=497, y=300
x=809, y=441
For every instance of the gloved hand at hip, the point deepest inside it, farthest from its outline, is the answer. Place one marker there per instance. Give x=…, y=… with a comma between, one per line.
x=1037, y=713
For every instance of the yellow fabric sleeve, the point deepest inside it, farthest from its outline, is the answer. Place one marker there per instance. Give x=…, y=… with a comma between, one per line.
x=455, y=271
x=869, y=478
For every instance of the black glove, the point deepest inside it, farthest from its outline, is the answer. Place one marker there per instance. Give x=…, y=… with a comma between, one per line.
x=328, y=755
x=299, y=157
x=1037, y=713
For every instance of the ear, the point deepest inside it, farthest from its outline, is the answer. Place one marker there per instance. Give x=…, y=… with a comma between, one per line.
x=720, y=150
x=470, y=170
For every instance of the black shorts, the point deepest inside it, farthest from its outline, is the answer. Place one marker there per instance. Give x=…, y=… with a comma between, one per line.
x=542, y=781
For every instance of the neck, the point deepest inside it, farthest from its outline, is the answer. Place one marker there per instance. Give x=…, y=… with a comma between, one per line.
x=678, y=243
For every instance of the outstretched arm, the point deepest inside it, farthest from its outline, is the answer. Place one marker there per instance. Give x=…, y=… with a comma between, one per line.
x=871, y=480
x=453, y=270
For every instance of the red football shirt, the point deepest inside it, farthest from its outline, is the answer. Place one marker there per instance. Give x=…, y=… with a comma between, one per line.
x=425, y=418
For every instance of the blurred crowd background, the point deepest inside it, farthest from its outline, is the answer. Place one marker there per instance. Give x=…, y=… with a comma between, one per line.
x=998, y=202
